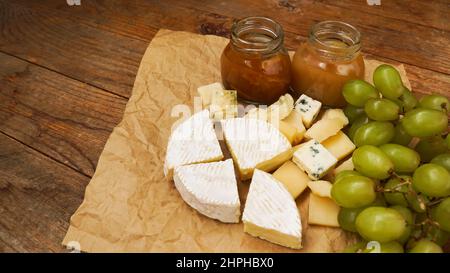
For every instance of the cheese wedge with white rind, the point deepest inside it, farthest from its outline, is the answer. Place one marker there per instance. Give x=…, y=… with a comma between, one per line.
x=211, y=189
x=193, y=141
x=255, y=143
x=271, y=213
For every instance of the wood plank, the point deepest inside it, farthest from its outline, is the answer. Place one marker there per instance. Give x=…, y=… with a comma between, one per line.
x=62, y=43
x=65, y=119
x=426, y=13
x=386, y=37
x=37, y=198
x=117, y=17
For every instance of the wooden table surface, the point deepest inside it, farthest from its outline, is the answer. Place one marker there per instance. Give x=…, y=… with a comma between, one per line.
x=66, y=73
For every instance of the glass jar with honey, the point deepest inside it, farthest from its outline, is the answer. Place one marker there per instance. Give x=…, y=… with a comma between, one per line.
x=330, y=57
x=255, y=62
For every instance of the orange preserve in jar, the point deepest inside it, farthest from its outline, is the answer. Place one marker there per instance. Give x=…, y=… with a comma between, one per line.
x=255, y=62
x=329, y=58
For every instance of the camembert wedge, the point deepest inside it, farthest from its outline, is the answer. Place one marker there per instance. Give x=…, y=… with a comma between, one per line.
x=255, y=143
x=193, y=141
x=210, y=188
x=270, y=212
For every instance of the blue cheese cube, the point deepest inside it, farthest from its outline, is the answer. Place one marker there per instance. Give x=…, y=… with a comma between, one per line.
x=314, y=159
x=308, y=108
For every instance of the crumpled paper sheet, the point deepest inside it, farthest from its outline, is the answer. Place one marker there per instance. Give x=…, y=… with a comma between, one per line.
x=129, y=205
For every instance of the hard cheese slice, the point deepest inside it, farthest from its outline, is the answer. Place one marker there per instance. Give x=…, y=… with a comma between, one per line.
x=210, y=188
x=255, y=143
x=271, y=213
x=193, y=141
x=323, y=211
x=294, y=179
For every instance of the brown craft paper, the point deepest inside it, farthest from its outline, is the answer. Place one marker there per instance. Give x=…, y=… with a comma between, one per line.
x=129, y=205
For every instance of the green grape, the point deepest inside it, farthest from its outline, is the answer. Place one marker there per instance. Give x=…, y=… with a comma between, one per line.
x=388, y=81
x=422, y=122
x=389, y=247
x=353, y=191
x=355, y=248
x=442, y=214
x=357, y=92
x=443, y=160
x=409, y=218
x=372, y=162
x=447, y=141
x=360, y=121
x=425, y=246
x=432, y=180
x=430, y=147
x=380, y=224
x=399, y=196
x=381, y=109
x=436, y=235
x=436, y=102
x=400, y=136
x=405, y=160
x=346, y=173
x=407, y=101
x=347, y=218
x=374, y=133
x=353, y=112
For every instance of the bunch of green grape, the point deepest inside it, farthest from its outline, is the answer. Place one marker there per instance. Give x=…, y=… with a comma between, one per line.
x=399, y=193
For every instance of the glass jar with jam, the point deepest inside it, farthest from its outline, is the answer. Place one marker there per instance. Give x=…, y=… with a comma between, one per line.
x=255, y=62
x=330, y=57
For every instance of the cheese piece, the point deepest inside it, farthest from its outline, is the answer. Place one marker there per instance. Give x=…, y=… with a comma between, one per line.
x=254, y=144
x=206, y=92
x=295, y=120
x=320, y=188
x=335, y=113
x=193, y=141
x=324, y=129
x=287, y=130
x=275, y=112
x=270, y=212
x=323, y=211
x=308, y=108
x=223, y=104
x=339, y=145
x=211, y=189
x=314, y=159
x=294, y=179
x=346, y=165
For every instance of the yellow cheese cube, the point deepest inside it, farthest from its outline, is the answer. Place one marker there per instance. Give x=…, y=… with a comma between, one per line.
x=346, y=165
x=287, y=130
x=292, y=177
x=324, y=129
x=320, y=188
x=339, y=145
x=323, y=211
x=335, y=113
x=295, y=120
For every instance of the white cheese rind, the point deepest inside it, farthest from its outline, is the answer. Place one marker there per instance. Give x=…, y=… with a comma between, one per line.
x=193, y=141
x=252, y=142
x=211, y=189
x=314, y=159
x=308, y=108
x=271, y=207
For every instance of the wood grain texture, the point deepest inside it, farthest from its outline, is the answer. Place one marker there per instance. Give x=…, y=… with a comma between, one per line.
x=37, y=198
x=63, y=118
x=62, y=43
x=418, y=12
x=135, y=20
